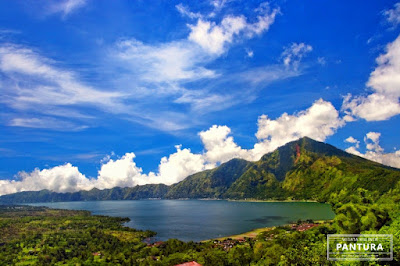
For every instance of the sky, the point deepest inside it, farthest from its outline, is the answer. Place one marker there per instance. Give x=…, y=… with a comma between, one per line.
x=124, y=93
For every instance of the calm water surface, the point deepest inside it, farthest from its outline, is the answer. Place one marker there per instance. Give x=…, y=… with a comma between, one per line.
x=201, y=219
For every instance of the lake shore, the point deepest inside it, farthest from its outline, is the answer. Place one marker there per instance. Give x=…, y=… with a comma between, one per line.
x=256, y=200
x=253, y=233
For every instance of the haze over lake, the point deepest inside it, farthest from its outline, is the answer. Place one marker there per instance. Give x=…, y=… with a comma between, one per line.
x=200, y=219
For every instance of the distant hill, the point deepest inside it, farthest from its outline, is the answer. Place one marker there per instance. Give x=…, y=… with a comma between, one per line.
x=117, y=193
x=302, y=169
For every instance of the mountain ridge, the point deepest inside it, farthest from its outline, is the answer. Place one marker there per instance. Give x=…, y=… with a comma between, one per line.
x=302, y=169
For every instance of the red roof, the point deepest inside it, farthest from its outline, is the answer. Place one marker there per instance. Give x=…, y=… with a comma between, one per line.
x=192, y=263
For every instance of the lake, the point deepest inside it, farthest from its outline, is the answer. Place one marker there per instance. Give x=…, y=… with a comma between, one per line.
x=201, y=219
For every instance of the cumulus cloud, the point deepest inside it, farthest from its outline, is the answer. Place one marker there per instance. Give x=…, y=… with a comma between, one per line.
x=219, y=146
x=374, y=151
x=384, y=81
x=119, y=173
x=122, y=172
x=177, y=166
x=293, y=54
x=319, y=121
x=63, y=178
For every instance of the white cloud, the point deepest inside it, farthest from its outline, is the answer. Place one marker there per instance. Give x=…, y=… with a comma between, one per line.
x=374, y=137
x=219, y=4
x=119, y=173
x=293, y=54
x=178, y=166
x=219, y=146
x=214, y=38
x=63, y=178
x=266, y=75
x=321, y=61
x=46, y=123
x=353, y=141
x=66, y=7
x=374, y=151
x=318, y=122
x=168, y=62
x=184, y=10
x=201, y=101
x=393, y=15
x=107, y=157
x=384, y=81
x=40, y=83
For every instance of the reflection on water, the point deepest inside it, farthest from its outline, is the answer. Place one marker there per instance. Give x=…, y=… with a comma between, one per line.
x=268, y=219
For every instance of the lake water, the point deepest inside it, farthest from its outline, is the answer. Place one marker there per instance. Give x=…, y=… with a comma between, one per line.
x=201, y=219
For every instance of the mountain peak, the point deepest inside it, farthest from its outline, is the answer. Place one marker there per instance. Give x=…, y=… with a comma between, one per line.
x=318, y=147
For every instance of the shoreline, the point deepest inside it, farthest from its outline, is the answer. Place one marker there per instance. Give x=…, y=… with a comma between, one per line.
x=256, y=200
x=254, y=232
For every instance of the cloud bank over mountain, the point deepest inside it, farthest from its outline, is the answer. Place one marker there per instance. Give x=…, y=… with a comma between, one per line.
x=319, y=121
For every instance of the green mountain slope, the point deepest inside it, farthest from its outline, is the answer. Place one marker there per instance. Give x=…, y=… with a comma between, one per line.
x=302, y=170
x=210, y=183
x=312, y=170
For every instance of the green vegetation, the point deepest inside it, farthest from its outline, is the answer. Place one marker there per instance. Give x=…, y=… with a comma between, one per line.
x=210, y=183
x=38, y=235
x=42, y=236
x=364, y=195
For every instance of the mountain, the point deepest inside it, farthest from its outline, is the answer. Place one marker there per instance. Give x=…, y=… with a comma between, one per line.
x=304, y=169
x=210, y=183
x=308, y=169
x=117, y=193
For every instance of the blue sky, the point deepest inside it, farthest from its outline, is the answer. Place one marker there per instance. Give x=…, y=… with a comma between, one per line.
x=96, y=93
